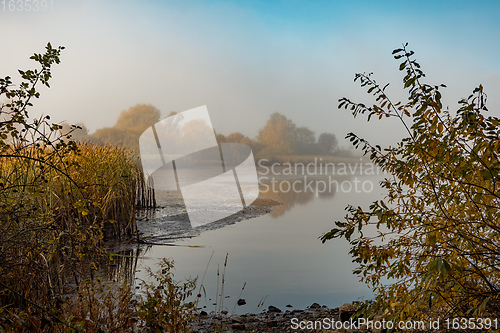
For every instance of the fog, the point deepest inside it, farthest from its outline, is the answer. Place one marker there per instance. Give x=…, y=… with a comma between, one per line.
x=248, y=59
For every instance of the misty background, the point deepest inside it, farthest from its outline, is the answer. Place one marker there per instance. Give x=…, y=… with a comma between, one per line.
x=246, y=60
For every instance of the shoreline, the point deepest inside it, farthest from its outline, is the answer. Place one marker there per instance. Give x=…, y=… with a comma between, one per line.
x=169, y=223
x=275, y=320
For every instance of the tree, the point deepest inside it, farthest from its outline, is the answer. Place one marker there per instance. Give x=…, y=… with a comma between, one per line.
x=77, y=132
x=138, y=118
x=220, y=138
x=129, y=126
x=303, y=141
x=236, y=137
x=116, y=136
x=327, y=142
x=278, y=133
x=437, y=248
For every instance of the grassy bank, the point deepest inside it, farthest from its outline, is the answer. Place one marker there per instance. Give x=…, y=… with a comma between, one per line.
x=56, y=208
x=59, y=201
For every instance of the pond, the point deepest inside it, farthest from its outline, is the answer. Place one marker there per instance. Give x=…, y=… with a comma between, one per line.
x=277, y=257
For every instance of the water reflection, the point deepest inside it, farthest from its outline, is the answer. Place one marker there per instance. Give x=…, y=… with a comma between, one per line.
x=124, y=263
x=277, y=254
x=298, y=191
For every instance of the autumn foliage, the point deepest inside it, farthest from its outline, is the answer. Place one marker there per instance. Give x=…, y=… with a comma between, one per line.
x=436, y=250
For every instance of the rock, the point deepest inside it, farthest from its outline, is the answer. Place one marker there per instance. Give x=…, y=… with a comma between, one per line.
x=238, y=326
x=241, y=302
x=289, y=306
x=379, y=330
x=273, y=309
x=272, y=320
x=272, y=323
x=315, y=306
x=238, y=320
x=203, y=313
x=346, y=311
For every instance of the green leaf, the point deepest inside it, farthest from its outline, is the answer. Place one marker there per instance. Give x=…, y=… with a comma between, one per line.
x=486, y=174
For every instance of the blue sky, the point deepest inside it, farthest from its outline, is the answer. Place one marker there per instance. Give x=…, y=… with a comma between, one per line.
x=247, y=59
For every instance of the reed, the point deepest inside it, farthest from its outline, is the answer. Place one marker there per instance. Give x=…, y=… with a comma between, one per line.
x=57, y=206
x=101, y=184
x=59, y=200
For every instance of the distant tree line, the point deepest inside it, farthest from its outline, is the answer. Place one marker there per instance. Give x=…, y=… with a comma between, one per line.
x=280, y=135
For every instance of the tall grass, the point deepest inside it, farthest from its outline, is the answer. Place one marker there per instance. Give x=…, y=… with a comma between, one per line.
x=100, y=184
x=56, y=208
x=58, y=201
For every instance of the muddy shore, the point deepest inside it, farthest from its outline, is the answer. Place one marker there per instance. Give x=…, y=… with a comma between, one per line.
x=170, y=222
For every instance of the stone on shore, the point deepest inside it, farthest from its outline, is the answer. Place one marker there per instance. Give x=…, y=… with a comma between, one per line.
x=346, y=311
x=315, y=306
x=272, y=308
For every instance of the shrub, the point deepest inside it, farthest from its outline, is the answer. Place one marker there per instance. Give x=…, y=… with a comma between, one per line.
x=58, y=200
x=437, y=247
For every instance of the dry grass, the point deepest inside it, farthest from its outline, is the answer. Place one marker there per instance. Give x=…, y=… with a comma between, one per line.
x=56, y=208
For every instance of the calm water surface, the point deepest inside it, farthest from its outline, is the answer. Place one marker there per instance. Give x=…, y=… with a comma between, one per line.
x=279, y=255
